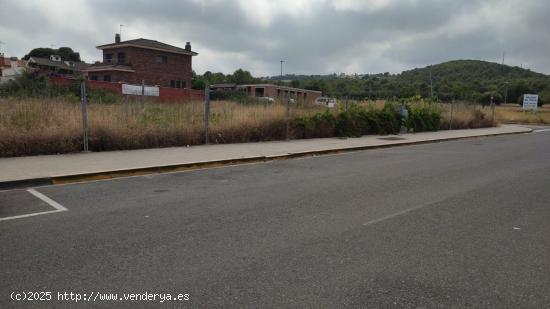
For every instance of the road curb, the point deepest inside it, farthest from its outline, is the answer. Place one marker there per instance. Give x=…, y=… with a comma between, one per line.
x=152, y=170
x=111, y=174
x=25, y=183
x=359, y=148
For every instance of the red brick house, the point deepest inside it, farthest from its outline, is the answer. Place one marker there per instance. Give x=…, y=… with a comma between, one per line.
x=138, y=60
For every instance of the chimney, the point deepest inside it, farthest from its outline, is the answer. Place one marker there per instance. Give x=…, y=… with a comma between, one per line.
x=188, y=46
x=117, y=37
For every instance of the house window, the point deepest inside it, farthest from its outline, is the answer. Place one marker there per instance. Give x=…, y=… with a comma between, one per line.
x=107, y=78
x=108, y=58
x=121, y=58
x=177, y=84
x=93, y=77
x=183, y=84
x=162, y=59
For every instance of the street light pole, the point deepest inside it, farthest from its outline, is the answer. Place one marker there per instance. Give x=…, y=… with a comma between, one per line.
x=282, y=70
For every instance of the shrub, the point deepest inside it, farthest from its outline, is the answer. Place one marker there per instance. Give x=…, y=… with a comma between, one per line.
x=479, y=120
x=28, y=84
x=423, y=117
x=346, y=124
x=318, y=125
x=358, y=121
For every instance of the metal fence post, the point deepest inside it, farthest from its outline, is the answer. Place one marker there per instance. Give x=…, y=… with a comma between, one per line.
x=288, y=116
x=83, y=101
x=493, y=109
x=206, y=111
x=451, y=120
x=346, y=103
x=142, y=105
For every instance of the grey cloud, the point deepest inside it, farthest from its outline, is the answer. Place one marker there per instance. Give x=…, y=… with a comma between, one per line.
x=400, y=36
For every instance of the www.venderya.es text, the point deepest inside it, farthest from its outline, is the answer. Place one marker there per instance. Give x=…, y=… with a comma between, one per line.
x=93, y=296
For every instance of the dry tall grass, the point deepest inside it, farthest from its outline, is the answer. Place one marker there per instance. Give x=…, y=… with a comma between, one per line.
x=31, y=127
x=466, y=116
x=512, y=113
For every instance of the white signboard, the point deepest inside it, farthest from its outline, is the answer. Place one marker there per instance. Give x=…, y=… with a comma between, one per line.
x=136, y=90
x=530, y=101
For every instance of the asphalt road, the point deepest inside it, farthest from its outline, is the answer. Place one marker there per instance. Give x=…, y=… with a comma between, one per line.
x=447, y=225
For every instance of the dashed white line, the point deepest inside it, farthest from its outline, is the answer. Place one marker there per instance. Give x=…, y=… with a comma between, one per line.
x=58, y=207
x=397, y=214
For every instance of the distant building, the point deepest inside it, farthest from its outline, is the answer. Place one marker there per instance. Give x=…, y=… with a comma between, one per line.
x=55, y=65
x=10, y=68
x=150, y=61
x=269, y=90
x=223, y=87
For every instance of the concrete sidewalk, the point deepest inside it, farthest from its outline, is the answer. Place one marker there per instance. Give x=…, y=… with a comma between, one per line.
x=38, y=170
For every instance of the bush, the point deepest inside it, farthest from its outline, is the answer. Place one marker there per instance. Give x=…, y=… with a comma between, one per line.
x=358, y=121
x=28, y=84
x=479, y=120
x=423, y=117
x=31, y=84
x=318, y=125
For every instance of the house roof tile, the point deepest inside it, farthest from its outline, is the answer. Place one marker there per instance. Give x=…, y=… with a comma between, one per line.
x=109, y=67
x=149, y=44
x=78, y=66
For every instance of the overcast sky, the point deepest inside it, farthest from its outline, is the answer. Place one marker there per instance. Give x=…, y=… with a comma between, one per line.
x=312, y=36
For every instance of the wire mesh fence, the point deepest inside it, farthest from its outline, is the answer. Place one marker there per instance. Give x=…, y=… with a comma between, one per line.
x=46, y=126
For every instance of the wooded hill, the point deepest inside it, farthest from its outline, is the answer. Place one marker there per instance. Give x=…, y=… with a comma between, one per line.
x=462, y=80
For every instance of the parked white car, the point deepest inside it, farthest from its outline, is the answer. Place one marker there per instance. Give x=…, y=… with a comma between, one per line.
x=266, y=99
x=328, y=102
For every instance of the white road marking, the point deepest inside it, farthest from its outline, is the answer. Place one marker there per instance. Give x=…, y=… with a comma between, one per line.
x=394, y=215
x=46, y=199
x=58, y=207
x=541, y=130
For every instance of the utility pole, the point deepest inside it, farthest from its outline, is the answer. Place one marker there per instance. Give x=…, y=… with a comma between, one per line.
x=120, y=30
